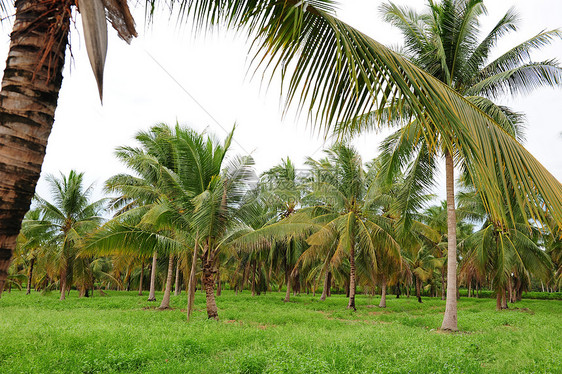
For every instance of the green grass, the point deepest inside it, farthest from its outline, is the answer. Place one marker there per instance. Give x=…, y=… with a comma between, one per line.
x=122, y=332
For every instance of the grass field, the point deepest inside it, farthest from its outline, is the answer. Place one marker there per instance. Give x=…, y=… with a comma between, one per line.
x=122, y=332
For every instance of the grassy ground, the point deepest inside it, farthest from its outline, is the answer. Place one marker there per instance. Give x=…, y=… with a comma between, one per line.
x=122, y=332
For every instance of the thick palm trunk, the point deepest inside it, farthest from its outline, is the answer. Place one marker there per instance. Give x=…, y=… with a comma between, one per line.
x=351, y=304
x=382, y=304
x=30, y=276
x=191, y=284
x=165, y=304
x=177, y=287
x=141, y=278
x=327, y=285
x=450, y=317
x=209, y=272
x=30, y=90
x=219, y=284
x=152, y=292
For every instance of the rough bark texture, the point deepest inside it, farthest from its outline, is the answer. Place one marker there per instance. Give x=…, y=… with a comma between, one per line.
x=450, y=317
x=152, y=293
x=209, y=272
x=30, y=90
x=30, y=276
x=327, y=285
x=351, y=304
x=177, y=287
x=165, y=304
x=382, y=304
x=219, y=286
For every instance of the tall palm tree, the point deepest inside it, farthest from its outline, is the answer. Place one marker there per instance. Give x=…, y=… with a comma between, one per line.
x=444, y=42
x=346, y=74
x=70, y=217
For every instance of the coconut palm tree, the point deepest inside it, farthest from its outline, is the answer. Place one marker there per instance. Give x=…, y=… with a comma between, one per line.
x=509, y=254
x=444, y=42
x=33, y=242
x=69, y=217
x=283, y=190
x=191, y=199
x=346, y=74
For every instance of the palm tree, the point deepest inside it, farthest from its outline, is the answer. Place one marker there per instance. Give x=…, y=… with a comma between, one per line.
x=33, y=242
x=190, y=197
x=69, y=217
x=283, y=191
x=444, y=42
x=509, y=254
x=346, y=74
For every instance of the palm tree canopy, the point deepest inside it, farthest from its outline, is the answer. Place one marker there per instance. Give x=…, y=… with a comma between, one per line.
x=337, y=73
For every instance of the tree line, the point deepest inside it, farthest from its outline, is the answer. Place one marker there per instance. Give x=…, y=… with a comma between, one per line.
x=191, y=216
x=440, y=89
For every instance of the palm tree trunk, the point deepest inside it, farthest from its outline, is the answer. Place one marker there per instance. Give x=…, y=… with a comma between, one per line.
x=63, y=283
x=327, y=285
x=165, y=304
x=141, y=278
x=418, y=289
x=152, y=293
x=30, y=90
x=443, y=284
x=450, y=317
x=351, y=304
x=209, y=284
x=499, y=299
x=288, y=294
x=191, y=284
x=177, y=287
x=382, y=304
x=219, y=284
x=30, y=276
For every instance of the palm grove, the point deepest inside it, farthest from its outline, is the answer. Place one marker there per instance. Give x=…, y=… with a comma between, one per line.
x=346, y=223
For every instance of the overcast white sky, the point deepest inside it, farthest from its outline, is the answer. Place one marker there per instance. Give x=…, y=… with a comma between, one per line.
x=139, y=93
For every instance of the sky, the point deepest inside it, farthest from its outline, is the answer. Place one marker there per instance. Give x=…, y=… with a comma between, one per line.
x=170, y=75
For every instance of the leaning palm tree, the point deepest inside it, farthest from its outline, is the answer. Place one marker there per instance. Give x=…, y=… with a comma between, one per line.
x=70, y=216
x=330, y=69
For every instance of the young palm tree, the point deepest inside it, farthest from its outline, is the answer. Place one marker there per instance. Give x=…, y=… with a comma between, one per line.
x=191, y=195
x=506, y=254
x=71, y=216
